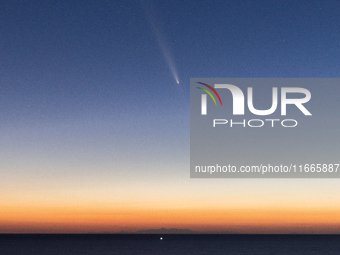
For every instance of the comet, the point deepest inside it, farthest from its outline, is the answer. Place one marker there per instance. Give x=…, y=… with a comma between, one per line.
x=150, y=14
x=167, y=55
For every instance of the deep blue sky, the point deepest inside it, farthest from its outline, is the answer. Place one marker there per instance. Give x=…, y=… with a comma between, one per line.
x=87, y=95
x=102, y=57
x=88, y=59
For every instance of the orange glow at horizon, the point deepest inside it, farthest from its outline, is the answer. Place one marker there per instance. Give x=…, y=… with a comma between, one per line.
x=242, y=220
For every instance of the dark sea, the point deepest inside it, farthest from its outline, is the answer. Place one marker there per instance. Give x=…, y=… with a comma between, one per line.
x=170, y=244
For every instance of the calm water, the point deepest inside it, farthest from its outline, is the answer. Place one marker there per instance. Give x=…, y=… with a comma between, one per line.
x=171, y=244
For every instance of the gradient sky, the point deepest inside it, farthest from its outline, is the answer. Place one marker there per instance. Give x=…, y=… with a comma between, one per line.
x=95, y=129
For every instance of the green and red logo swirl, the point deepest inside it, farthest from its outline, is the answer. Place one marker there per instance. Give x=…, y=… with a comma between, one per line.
x=209, y=93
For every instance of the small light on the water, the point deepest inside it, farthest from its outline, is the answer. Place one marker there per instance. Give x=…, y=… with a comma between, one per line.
x=161, y=238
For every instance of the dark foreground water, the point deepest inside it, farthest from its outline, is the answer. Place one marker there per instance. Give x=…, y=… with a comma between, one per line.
x=171, y=244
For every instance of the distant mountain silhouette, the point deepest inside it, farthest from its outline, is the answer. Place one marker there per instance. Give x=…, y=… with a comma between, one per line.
x=166, y=231
x=175, y=231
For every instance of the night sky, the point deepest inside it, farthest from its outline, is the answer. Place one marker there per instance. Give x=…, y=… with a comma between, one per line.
x=94, y=108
